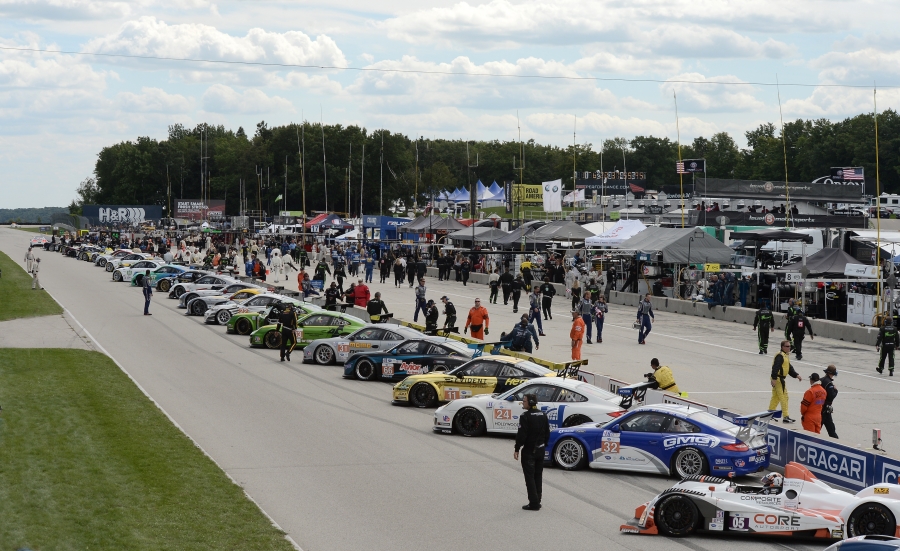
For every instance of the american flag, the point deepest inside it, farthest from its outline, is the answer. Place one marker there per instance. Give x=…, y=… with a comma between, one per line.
x=853, y=173
x=679, y=168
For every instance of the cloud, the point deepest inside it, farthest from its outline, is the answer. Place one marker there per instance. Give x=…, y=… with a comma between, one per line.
x=148, y=36
x=867, y=64
x=223, y=99
x=153, y=100
x=696, y=96
x=64, y=10
x=838, y=103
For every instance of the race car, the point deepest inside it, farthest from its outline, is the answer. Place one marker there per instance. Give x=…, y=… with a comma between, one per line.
x=205, y=282
x=125, y=273
x=221, y=309
x=227, y=291
x=38, y=241
x=188, y=276
x=483, y=375
x=169, y=271
x=126, y=260
x=314, y=326
x=102, y=259
x=796, y=504
x=244, y=323
x=412, y=357
x=88, y=252
x=566, y=402
x=671, y=439
x=372, y=337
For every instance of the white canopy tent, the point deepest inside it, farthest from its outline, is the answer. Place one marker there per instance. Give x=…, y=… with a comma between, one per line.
x=349, y=236
x=622, y=230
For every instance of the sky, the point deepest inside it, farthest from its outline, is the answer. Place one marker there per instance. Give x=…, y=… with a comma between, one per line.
x=478, y=70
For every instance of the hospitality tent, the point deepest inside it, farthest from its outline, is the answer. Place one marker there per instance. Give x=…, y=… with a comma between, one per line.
x=482, y=192
x=487, y=234
x=675, y=245
x=514, y=239
x=441, y=225
x=350, y=235
x=562, y=230
x=495, y=189
x=824, y=263
x=622, y=230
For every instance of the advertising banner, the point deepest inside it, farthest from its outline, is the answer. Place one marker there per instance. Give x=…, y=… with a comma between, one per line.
x=553, y=196
x=612, y=183
x=827, y=190
x=198, y=209
x=121, y=214
x=527, y=194
x=769, y=219
x=690, y=165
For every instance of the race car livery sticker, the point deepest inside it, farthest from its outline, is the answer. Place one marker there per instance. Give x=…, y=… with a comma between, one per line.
x=882, y=490
x=455, y=393
x=411, y=368
x=506, y=415
x=387, y=366
x=717, y=522
x=739, y=522
x=771, y=522
x=609, y=442
x=701, y=440
x=343, y=347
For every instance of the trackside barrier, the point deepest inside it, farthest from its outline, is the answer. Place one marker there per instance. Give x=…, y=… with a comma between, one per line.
x=842, y=466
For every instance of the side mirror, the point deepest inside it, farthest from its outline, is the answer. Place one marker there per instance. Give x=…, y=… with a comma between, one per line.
x=460, y=375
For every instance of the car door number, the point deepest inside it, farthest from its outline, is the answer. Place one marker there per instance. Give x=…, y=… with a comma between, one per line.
x=503, y=414
x=343, y=348
x=387, y=369
x=453, y=393
x=609, y=447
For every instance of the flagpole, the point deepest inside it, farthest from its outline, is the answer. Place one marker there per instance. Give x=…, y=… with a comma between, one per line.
x=877, y=200
x=787, y=194
x=680, y=160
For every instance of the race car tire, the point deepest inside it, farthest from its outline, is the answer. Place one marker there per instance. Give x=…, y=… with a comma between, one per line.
x=423, y=395
x=570, y=454
x=179, y=291
x=871, y=519
x=109, y=267
x=165, y=285
x=223, y=316
x=81, y=256
x=324, y=355
x=117, y=276
x=676, y=516
x=102, y=262
x=575, y=420
x=139, y=280
x=243, y=326
x=273, y=340
x=198, y=307
x=689, y=462
x=469, y=422
x=365, y=369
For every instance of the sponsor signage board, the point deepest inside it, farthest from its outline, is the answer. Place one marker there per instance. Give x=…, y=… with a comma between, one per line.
x=861, y=270
x=121, y=214
x=199, y=209
x=827, y=190
x=770, y=219
x=527, y=194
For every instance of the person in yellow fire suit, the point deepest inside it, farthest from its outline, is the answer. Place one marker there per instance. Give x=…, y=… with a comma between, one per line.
x=781, y=369
x=663, y=375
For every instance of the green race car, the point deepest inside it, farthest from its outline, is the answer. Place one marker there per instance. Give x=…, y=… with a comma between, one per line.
x=244, y=323
x=314, y=326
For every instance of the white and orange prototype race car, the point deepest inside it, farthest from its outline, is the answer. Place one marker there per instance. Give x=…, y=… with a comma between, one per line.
x=796, y=504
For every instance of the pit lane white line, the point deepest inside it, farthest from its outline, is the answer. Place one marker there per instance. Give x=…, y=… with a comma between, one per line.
x=96, y=343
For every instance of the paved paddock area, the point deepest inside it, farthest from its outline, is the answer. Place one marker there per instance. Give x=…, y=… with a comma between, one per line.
x=338, y=467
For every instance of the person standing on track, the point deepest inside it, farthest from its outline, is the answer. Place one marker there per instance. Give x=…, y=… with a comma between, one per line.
x=449, y=314
x=799, y=325
x=781, y=369
x=375, y=307
x=548, y=291
x=410, y=271
x=399, y=269
x=506, y=281
x=287, y=324
x=517, y=285
x=29, y=260
x=644, y=314
x=147, y=289
x=532, y=438
x=831, y=393
x=812, y=404
x=431, y=318
x=888, y=340
x=361, y=294
x=586, y=309
x=420, y=300
x=478, y=320
x=765, y=321
x=576, y=334
x=600, y=311
x=494, y=283
x=370, y=267
x=35, y=269
x=534, y=309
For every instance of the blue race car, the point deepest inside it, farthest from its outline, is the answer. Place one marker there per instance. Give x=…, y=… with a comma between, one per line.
x=411, y=357
x=671, y=439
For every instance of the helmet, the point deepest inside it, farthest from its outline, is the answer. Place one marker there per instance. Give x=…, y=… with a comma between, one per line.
x=773, y=480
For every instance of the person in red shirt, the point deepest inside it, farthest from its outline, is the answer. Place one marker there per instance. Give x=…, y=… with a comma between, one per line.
x=361, y=294
x=812, y=404
x=478, y=320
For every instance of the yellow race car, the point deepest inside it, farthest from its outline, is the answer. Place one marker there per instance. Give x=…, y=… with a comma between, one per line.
x=483, y=375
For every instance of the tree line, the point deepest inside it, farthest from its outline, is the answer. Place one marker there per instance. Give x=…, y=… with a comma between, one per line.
x=397, y=169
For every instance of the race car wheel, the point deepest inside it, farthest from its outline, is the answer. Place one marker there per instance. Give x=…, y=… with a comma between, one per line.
x=165, y=285
x=871, y=519
x=117, y=276
x=82, y=256
x=223, y=316
x=689, y=462
x=469, y=422
x=139, y=280
x=365, y=369
x=570, y=454
x=243, y=327
x=102, y=262
x=576, y=420
x=324, y=355
x=109, y=267
x=423, y=395
x=179, y=291
x=198, y=307
x=676, y=516
x=273, y=340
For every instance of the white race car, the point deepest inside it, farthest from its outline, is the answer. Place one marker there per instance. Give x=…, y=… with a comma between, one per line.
x=368, y=339
x=124, y=273
x=567, y=403
x=185, y=299
x=796, y=504
x=102, y=259
x=126, y=260
x=207, y=282
x=220, y=313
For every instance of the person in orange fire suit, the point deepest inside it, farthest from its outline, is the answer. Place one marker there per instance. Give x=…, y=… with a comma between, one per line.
x=478, y=320
x=811, y=406
x=577, y=334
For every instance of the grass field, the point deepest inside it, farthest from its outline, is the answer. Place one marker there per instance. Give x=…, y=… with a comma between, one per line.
x=88, y=462
x=35, y=229
x=17, y=300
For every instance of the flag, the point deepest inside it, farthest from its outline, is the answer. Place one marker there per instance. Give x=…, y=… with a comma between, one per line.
x=552, y=196
x=278, y=198
x=848, y=174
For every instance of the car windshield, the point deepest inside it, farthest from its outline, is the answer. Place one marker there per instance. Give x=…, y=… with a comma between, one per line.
x=457, y=347
x=594, y=391
x=534, y=368
x=713, y=422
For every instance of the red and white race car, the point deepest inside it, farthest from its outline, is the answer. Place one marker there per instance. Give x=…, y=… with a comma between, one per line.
x=796, y=504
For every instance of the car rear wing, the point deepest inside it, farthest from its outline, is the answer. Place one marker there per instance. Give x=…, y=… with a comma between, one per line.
x=753, y=425
x=634, y=392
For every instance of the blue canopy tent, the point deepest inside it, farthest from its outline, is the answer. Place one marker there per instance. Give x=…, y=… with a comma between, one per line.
x=495, y=189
